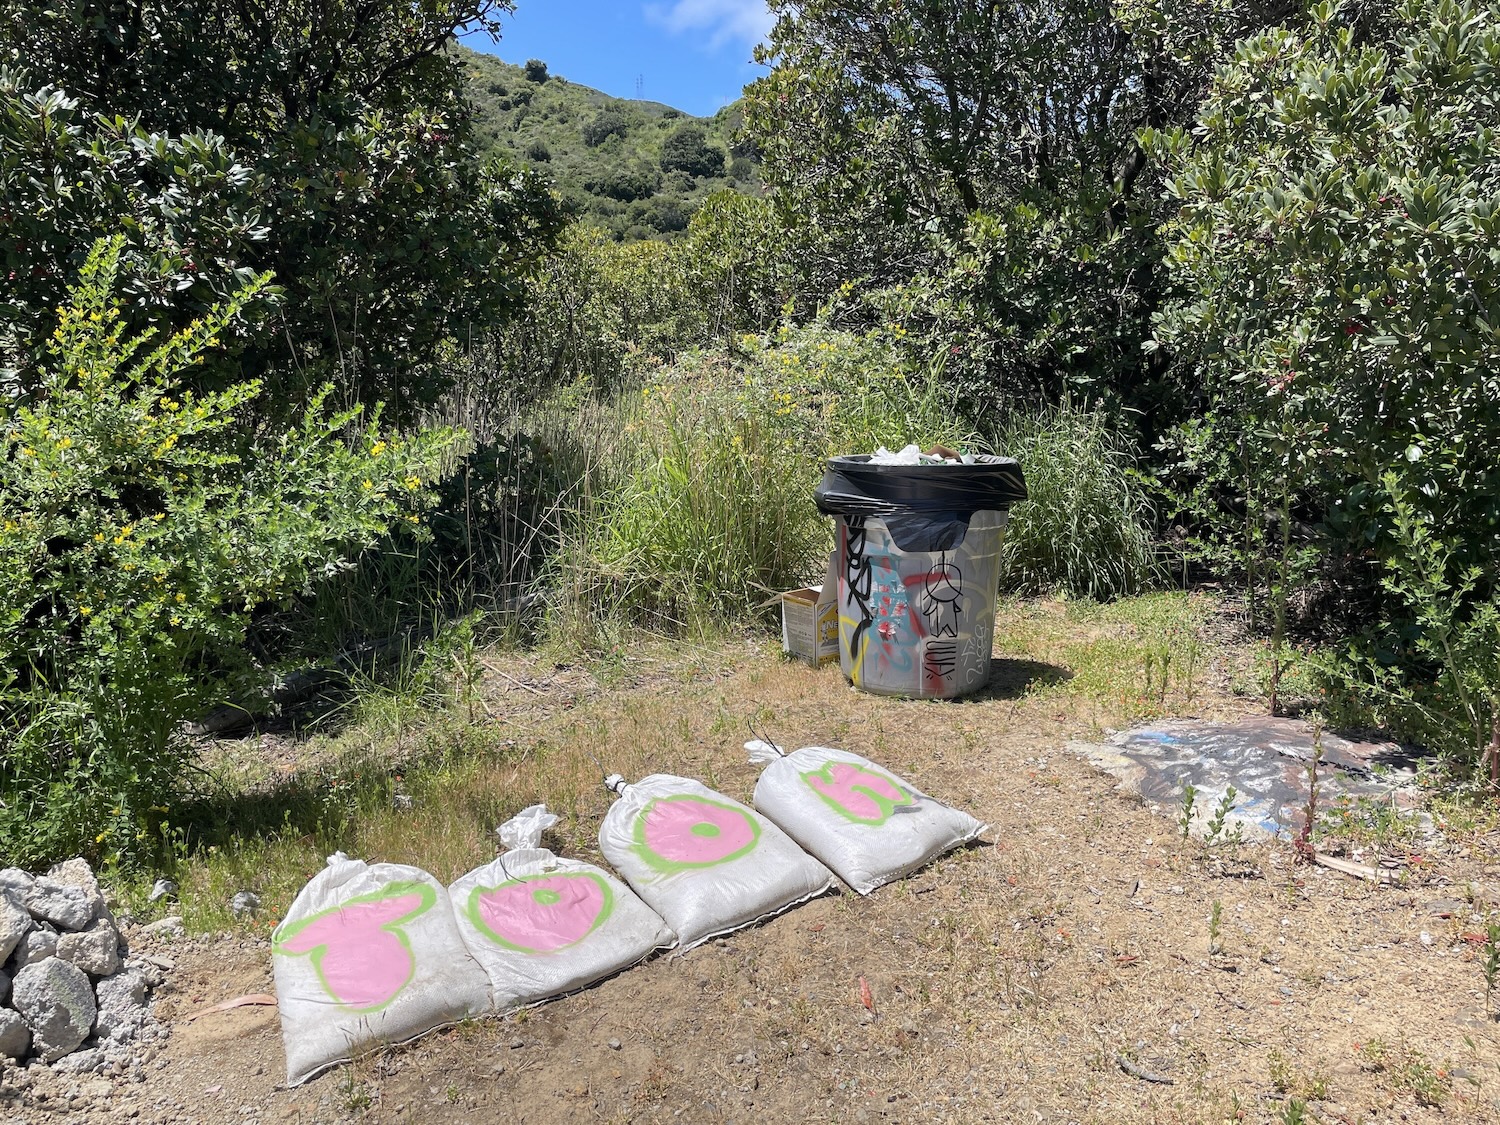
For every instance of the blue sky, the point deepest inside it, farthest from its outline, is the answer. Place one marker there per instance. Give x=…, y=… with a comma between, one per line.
x=693, y=55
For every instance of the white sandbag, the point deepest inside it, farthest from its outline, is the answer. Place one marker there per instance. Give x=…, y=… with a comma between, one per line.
x=368, y=954
x=706, y=864
x=541, y=926
x=866, y=823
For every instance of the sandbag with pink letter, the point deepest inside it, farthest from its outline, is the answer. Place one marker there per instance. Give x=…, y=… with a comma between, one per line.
x=866, y=823
x=705, y=863
x=541, y=926
x=369, y=954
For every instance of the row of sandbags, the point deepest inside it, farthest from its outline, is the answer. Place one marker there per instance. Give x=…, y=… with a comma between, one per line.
x=382, y=953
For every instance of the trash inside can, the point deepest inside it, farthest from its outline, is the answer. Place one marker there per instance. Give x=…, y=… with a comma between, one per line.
x=918, y=565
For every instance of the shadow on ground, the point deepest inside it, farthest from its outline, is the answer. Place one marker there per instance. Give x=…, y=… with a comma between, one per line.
x=1012, y=679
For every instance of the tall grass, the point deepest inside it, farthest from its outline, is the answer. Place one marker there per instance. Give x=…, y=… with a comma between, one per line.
x=1086, y=528
x=683, y=504
x=706, y=514
x=707, y=508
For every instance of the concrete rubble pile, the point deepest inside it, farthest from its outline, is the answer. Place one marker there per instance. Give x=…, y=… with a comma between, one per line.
x=70, y=994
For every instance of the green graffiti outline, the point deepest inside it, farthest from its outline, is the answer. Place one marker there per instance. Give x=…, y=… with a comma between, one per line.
x=471, y=909
x=887, y=806
x=671, y=866
x=285, y=932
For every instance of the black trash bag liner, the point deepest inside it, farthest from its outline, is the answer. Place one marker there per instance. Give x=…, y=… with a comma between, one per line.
x=926, y=507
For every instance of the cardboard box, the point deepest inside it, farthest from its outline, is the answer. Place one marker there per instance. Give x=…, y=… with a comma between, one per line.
x=810, y=621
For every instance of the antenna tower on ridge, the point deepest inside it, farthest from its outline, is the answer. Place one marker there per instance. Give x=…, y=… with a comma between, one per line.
x=640, y=81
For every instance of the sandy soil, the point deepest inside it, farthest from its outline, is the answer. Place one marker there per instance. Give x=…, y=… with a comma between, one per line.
x=1059, y=972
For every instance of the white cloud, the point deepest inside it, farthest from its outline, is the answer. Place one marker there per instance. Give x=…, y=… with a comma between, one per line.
x=749, y=21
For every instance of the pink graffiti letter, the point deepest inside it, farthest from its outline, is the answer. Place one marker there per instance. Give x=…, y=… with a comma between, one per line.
x=358, y=952
x=857, y=793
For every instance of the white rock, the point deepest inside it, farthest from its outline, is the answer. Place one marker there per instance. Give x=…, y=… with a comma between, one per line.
x=15, y=921
x=244, y=904
x=57, y=1003
x=16, y=879
x=76, y=873
x=39, y=943
x=162, y=888
x=81, y=1062
x=67, y=906
x=122, y=1005
x=95, y=950
x=170, y=926
x=15, y=1036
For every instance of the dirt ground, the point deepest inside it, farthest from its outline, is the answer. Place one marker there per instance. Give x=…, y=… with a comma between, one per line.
x=1060, y=971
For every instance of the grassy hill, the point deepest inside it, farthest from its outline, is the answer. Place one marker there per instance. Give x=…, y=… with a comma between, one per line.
x=636, y=168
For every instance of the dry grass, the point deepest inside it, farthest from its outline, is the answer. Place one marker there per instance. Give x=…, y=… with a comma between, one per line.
x=1009, y=980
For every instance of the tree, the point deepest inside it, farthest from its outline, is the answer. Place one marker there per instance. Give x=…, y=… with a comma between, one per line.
x=607, y=123
x=325, y=142
x=536, y=69
x=688, y=149
x=1339, y=318
x=992, y=147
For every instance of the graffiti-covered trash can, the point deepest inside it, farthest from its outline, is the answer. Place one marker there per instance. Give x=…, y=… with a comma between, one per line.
x=918, y=565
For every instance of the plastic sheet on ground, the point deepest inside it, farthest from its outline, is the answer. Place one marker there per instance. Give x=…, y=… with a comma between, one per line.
x=867, y=824
x=1264, y=759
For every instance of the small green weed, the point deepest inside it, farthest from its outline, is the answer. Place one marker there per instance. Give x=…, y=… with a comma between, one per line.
x=1189, y=804
x=1216, y=831
x=1288, y=1078
x=1489, y=961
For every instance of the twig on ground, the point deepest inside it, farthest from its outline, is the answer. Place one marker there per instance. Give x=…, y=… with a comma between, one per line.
x=512, y=679
x=1142, y=1073
x=238, y=1002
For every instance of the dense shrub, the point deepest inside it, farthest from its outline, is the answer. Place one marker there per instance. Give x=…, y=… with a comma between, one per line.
x=688, y=149
x=140, y=523
x=608, y=123
x=1339, y=318
x=623, y=182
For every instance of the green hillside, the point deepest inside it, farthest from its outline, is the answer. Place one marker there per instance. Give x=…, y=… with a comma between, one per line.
x=636, y=168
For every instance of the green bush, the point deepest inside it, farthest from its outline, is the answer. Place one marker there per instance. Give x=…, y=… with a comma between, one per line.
x=596, y=312
x=324, y=141
x=140, y=524
x=688, y=149
x=1339, y=320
